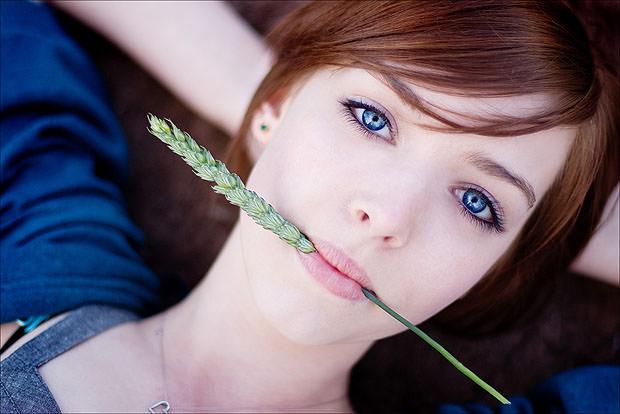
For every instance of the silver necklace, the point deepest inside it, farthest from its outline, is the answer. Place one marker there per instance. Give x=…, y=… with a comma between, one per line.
x=162, y=406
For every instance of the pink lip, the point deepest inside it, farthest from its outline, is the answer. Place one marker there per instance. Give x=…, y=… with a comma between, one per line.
x=335, y=271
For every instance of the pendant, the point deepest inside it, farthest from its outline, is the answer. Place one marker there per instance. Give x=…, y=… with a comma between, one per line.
x=163, y=403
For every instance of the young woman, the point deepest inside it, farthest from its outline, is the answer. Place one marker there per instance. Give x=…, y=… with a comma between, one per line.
x=433, y=153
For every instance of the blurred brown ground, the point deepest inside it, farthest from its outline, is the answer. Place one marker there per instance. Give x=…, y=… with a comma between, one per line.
x=185, y=225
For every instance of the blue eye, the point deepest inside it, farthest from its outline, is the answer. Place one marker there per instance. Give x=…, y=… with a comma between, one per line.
x=373, y=120
x=474, y=201
x=481, y=209
x=370, y=120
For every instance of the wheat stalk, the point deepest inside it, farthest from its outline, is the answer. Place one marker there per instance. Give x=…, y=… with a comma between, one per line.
x=227, y=183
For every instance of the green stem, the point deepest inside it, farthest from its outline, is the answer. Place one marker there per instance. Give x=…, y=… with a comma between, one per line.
x=458, y=365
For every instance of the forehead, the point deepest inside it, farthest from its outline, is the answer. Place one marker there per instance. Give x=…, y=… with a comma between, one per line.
x=467, y=110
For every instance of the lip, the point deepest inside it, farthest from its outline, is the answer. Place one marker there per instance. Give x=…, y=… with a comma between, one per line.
x=337, y=272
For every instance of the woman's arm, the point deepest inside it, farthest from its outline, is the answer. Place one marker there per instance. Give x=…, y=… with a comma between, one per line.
x=600, y=259
x=202, y=51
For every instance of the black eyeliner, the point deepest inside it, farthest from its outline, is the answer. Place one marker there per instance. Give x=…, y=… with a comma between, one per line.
x=370, y=107
x=349, y=104
x=497, y=224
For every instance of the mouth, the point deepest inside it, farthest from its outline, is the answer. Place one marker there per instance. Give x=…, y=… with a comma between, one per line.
x=336, y=271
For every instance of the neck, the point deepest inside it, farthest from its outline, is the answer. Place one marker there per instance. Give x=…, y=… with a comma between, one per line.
x=221, y=353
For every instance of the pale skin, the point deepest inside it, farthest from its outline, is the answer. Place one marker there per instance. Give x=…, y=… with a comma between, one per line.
x=259, y=332
x=599, y=260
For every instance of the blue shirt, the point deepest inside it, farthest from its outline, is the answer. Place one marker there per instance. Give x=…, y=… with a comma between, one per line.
x=66, y=237
x=586, y=390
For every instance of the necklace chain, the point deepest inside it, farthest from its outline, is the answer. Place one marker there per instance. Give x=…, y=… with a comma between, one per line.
x=163, y=404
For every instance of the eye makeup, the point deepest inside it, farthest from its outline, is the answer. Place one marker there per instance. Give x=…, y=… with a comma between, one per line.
x=352, y=113
x=495, y=223
x=350, y=109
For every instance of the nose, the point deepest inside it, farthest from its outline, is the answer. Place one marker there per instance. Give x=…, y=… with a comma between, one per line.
x=387, y=220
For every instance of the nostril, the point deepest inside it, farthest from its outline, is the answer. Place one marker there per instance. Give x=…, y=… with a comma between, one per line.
x=363, y=216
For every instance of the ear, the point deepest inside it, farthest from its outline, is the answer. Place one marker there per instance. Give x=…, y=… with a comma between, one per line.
x=265, y=122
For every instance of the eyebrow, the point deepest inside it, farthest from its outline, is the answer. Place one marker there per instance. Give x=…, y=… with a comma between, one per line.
x=493, y=168
x=403, y=92
x=412, y=100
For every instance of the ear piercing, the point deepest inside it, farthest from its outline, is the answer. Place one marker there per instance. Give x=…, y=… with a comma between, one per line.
x=264, y=127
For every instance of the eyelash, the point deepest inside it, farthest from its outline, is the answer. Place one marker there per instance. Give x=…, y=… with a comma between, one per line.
x=496, y=226
x=349, y=104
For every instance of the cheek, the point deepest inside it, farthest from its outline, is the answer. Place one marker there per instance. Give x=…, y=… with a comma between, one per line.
x=302, y=168
x=440, y=271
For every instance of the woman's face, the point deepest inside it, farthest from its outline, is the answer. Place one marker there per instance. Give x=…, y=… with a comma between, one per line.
x=425, y=214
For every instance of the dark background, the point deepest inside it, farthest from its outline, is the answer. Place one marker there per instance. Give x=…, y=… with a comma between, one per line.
x=186, y=223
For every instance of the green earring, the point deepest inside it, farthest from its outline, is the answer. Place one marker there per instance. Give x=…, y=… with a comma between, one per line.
x=264, y=127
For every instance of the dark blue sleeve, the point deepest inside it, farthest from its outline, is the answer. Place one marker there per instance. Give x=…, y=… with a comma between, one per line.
x=66, y=238
x=591, y=389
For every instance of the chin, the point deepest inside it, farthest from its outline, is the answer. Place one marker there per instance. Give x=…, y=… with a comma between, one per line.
x=300, y=316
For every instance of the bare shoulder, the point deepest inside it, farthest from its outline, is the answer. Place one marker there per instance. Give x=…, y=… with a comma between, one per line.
x=115, y=371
